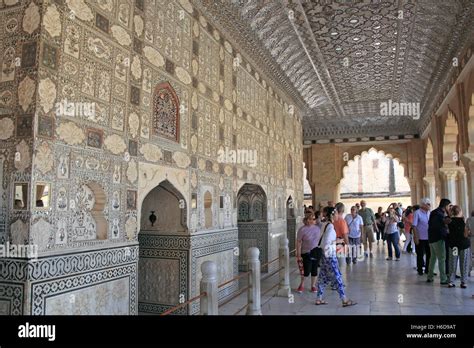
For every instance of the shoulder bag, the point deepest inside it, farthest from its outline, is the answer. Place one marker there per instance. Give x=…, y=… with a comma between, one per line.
x=317, y=253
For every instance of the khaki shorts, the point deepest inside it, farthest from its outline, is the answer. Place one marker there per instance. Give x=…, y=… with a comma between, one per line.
x=368, y=233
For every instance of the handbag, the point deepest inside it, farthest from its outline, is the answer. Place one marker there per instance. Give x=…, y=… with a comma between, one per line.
x=316, y=253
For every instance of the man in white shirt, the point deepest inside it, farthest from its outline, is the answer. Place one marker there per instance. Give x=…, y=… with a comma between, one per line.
x=356, y=225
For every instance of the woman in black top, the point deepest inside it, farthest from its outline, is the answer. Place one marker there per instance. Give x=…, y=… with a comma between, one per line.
x=380, y=221
x=458, y=247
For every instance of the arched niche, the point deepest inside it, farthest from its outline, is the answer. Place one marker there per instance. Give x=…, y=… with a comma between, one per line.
x=290, y=222
x=450, y=142
x=252, y=204
x=165, y=117
x=169, y=210
x=290, y=208
x=88, y=220
x=352, y=183
x=97, y=211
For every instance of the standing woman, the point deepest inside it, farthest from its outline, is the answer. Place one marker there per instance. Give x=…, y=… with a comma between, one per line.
x=392, y=234
x=380, y=222
x=459, y=244
x=407, y=222
x=329, y=267
x=307, y=239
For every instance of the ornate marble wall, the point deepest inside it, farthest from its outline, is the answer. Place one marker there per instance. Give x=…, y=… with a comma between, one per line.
x=103, y=100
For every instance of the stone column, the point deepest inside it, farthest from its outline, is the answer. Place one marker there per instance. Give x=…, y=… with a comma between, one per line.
x=208, y=303
x=254, y=307
x=470, y=179
x=284, y=289
x=430, y=185
x=450, y=175
x=464, y=199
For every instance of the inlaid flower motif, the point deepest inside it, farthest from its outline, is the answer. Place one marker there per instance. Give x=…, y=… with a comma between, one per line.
x=121, y=35
x=194, y=179
x=106, y=5
x=80, y=10
x=115, y=144
x=7, y=127
x=136, y=68
x=44, y=158
x=133, y=124
x=25, y=156
x=70, y=133
x=26, y=91
x=186, y=4
x=182, y=160
x=31, y=19
x=138, y=22
x=52, y=21
x=183, y=75
x=151, y=152
x=153, y=56
x=47, y=94
x=132, y=172
x=131, y=227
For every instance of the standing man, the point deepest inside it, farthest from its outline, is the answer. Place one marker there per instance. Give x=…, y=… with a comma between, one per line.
x=420, y=235
x=356, y=225
x=368, y=217
x=437, y=234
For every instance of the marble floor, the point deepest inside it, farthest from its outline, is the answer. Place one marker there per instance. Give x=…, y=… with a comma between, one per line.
x=378, y=286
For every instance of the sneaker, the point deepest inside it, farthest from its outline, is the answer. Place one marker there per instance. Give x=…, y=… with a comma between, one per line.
x=313, y=289
x=397, y=259
x=420, y=273
x=429, y=280
x=388, y=259
x=300, y=289
x=354, y=261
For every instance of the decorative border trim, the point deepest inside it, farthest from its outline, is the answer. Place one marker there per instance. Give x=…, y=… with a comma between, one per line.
x=43, y=290
x=48, y=267
x=15, y=294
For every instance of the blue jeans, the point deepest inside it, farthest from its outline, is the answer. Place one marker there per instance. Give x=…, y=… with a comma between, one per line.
x=393, y=238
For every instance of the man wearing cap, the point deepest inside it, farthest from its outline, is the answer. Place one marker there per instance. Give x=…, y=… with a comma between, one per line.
x=437, y=234
x=420, y=235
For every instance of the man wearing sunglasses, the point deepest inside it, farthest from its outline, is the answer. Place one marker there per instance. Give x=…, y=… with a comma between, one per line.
x=420, y=235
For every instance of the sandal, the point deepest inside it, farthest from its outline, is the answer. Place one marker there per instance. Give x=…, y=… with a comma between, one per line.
x=348, y=303
x=320, y=302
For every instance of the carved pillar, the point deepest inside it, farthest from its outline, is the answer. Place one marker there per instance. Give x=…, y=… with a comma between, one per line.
x=463, y=191
x=450, y=176
x=430, y=186
x=470, y=179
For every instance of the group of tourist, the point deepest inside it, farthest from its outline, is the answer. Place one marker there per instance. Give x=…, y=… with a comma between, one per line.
x=328, y=237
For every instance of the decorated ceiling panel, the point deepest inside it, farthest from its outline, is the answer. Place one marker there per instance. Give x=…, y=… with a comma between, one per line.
x=346, y=60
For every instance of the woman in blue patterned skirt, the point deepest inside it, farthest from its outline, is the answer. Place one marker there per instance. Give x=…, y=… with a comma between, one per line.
x=330, y=272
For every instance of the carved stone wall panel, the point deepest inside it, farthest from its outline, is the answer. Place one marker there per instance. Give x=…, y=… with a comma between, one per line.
x=96, y=53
